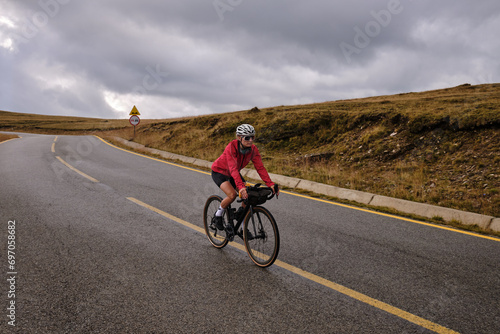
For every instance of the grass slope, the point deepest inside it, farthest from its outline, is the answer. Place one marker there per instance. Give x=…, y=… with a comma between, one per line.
x=439, y=147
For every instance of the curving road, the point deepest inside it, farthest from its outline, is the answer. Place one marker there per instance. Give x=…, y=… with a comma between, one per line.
x=109, y=241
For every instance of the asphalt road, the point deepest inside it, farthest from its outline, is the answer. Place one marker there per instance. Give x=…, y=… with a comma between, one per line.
x=89, y=259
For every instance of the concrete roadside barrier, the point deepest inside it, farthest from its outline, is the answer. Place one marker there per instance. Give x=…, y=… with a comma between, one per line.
x=325, y=189
x=495, y=224
x=202, y=163
x=432, y=211
x=420, y=209
x=290, y=182
x=163, y=154
x=129, y=143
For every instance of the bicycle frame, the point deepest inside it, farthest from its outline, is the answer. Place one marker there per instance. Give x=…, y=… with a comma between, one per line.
x=239, y=222
x=248, y=207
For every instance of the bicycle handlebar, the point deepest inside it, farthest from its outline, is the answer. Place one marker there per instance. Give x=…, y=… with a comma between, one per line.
x=276, y=190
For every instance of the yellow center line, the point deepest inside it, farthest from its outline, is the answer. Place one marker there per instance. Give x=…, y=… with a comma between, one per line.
x=2, y=142
x=53, y=149
x=167, y=215
x=317, y=279
x=76, y=170
x=18, y=137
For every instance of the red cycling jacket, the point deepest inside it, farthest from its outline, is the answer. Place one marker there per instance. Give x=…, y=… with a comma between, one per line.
x=232, y=161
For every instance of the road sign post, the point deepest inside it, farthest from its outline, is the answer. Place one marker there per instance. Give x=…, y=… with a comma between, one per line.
x=134, y=118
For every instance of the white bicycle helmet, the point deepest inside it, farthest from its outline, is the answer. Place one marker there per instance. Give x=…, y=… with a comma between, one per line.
x=245, y=130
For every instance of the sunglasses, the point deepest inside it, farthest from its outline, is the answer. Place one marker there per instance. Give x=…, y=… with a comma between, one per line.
x=249, y=137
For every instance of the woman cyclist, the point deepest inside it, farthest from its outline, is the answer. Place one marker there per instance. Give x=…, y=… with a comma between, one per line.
x=226, y=169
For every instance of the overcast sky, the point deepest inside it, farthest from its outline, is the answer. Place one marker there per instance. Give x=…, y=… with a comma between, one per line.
x=191, y=57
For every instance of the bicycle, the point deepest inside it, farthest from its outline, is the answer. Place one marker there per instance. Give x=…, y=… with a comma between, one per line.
x=256, y=225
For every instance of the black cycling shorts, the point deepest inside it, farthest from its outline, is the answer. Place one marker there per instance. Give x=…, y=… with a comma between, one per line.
x=221, y=178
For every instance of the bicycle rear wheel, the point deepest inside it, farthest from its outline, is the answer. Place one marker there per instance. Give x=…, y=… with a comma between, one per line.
x=217, y=238
x=261, y=235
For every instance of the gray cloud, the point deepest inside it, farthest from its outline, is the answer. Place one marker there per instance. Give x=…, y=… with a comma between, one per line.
x=180, y=58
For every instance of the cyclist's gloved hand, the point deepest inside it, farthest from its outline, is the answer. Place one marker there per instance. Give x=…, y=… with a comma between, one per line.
x=276, y=190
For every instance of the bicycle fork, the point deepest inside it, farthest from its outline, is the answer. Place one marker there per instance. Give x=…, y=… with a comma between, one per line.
x=256, y=230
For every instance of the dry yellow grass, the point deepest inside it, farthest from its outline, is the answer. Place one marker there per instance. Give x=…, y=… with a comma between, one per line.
x=4, y=137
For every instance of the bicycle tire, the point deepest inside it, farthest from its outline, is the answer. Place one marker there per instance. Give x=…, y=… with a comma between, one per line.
x=217, y=238
x=261, y=236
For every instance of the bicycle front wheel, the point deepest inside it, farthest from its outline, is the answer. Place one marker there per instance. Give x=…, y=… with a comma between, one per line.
x=217, y=238
x=261, y=235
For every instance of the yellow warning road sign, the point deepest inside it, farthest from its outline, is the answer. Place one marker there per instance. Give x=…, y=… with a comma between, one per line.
x=134, y=111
